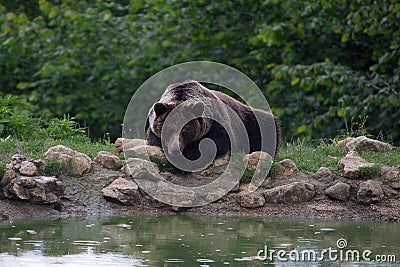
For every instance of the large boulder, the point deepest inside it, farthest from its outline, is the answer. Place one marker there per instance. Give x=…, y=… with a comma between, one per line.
x=339, y=191
x=363, y=143
x=141, y=169
x=290, y=193
x=350, y=165
x=73, y=161
x=122, y=191
x=370, y=192
x=144, y=151
x=107, y=160
x=124, y=143
x=40, y=189
x=392, y=178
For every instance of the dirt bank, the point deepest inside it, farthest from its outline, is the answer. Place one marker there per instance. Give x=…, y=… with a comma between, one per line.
x=83, y=198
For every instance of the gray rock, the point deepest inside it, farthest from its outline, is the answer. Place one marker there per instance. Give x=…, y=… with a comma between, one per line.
x=122, y=143
x=17, y=158
x=339, y=191
x=370, y=192
x=350, y=165
x=145, y=173
x=107, y=160
x=73, y=161
x=290, y=193
x=258, y=156
x=285, y=168
x=8, y=175
x=392, y=177
x=221, y=161
x=122, y=191
x=363, y=143
x=40, y=165
x=175, y=196
x=141, y=169
x=27, y=168
x=250, y=199
x=39, y=189
x=324, y=172
x=144, y=151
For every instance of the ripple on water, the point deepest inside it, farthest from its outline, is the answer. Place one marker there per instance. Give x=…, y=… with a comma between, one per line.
x=205, y=260
x=35, y=243
x=327, y=229
x=174, y=261
x=14, y=238
x=86, y=243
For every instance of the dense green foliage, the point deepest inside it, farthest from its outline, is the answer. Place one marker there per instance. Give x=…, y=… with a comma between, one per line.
x=324, y=66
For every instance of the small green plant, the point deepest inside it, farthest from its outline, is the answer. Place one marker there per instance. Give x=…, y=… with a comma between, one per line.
x=163, y=165
x=247, y=176
x=356, y=127
x=119, y=165
x=63, y=128
x=53, y=167
x=368, y=171
x=272, y=172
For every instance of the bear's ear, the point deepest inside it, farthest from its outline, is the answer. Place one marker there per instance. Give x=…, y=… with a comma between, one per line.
x=160, y=108
x=197, y=108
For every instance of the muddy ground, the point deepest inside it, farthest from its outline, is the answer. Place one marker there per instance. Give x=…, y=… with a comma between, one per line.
x=83, y=198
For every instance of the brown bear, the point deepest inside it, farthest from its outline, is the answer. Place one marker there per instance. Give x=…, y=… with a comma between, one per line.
x=263, y=130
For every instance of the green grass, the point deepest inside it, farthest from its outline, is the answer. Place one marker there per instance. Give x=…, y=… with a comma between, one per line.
x=36, y=147
x=309, y=157
x=388, y=158
x=369, y=170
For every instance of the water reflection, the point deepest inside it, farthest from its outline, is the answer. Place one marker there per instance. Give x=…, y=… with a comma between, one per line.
x=185, y=241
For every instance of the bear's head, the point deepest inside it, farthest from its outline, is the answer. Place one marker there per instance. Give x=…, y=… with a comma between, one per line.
x=192, y=131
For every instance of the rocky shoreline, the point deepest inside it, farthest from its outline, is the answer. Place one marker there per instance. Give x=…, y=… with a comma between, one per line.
x=356, y=189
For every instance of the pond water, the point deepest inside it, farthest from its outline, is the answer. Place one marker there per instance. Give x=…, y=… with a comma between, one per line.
x=197, y=241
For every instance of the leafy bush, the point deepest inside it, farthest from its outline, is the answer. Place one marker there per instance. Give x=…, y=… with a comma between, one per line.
x=14, y=119
x=63, y=128
x=319, y=63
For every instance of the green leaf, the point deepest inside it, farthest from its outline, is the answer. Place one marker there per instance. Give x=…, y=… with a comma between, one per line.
x=295, y=81
x=1, y=128
x=341, y=112
x=396, y=8
x=302, y=128
x=345, y=37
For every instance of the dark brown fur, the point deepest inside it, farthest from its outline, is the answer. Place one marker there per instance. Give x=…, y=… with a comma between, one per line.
x=193, y=132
